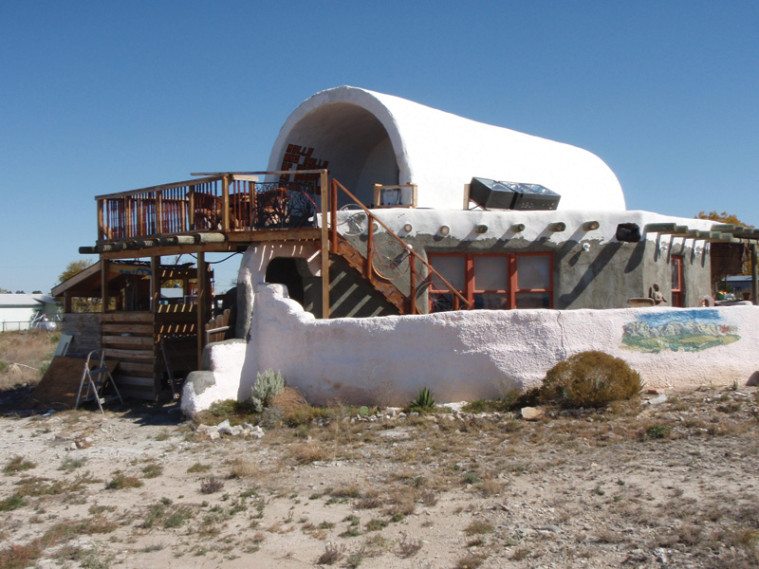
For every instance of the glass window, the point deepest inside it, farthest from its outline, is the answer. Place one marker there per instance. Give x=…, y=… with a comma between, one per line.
x=533, y=300
x=452, y=268
x=491, y=273
x=491, y=301
x=534, y=271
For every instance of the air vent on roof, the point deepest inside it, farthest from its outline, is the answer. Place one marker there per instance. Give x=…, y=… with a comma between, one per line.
x=494, y=194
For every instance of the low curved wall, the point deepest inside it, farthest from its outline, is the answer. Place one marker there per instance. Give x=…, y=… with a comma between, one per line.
x=479, y=354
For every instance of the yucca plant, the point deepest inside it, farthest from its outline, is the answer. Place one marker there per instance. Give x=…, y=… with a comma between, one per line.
x=423, y=402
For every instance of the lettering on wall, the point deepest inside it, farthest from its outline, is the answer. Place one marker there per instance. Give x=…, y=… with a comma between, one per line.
x=681, y=331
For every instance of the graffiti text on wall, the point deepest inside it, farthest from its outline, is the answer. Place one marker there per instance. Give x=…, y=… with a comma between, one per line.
x=686, y=331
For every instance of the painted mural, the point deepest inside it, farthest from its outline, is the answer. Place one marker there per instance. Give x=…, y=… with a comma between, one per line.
x=680, y=331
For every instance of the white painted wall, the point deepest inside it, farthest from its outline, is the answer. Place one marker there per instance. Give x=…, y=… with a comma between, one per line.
x=460, y=355
x=438, y=151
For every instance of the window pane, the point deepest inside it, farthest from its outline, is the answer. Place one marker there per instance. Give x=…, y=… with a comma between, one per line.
x=534, y=271
x=441, y=302
x=491, y=301
x=533, y=300
x=491, y=273
x=452, y=268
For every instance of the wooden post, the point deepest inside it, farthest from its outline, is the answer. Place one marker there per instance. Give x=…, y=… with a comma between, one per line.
x=155, y=283
x=225, y=203
x=201, y=302
x=101, y=220
x=104, y=284
x=412, y=282
x=67, y=302
x=159, y=212
x=191, y=204
x=333, y=214
x=466, y=196
x=754, y=274
x=325, y=190
x=368, y=272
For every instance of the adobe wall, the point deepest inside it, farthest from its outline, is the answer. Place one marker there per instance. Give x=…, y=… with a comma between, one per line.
x=470, y=355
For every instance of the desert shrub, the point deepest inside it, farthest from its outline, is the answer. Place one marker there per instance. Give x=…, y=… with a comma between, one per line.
x=423, y=402
x=590, y=379
x=268, y=385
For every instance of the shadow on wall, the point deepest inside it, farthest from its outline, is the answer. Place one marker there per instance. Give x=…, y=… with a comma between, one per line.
x=603, y=258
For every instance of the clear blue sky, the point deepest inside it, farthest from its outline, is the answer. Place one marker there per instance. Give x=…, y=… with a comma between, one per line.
x=100, y=97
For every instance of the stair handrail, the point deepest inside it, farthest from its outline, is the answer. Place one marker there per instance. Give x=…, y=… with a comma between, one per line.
x=413, y=255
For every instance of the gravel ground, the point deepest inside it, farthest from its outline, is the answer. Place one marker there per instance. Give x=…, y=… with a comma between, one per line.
x=650, y=483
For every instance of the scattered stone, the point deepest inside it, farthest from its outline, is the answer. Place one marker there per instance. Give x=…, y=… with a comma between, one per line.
x=249, y=430
x=210, y=431
x=532, y=413
x=83, y=442
x=658, y=400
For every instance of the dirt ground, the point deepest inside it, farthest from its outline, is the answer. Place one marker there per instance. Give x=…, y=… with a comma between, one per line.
x=645, y=484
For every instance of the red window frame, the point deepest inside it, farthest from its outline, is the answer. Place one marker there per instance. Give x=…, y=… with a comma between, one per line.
x=511, y=291
x=678, y=281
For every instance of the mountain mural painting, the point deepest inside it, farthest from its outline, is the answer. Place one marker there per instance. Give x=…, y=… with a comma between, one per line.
x=682, y=331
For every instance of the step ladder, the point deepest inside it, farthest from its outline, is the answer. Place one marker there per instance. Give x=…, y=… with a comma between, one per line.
x=95, y=380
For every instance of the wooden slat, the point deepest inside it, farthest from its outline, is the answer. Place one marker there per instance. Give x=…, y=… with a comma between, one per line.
x=134, y=380
x=136, y=368
x=127, y=317
x=135, y=341
x=134, y=329
x=114, y=353
x=176, y=308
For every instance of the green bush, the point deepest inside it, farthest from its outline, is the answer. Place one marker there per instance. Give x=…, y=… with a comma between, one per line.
x=423, y=402
x=268, y=385
x=590, y=379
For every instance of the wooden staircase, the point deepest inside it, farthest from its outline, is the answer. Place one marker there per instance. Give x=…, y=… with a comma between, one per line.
x=361, y=264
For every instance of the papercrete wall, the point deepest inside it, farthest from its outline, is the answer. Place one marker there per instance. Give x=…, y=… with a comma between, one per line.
x=470, y=355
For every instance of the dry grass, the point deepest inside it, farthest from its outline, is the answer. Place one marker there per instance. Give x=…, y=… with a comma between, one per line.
x=241, y=468
x=17, y=464
x=306, y=453
x=30, y=350
x=18, y=556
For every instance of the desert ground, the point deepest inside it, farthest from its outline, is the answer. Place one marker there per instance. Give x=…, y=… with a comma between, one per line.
x=646, y=485
x=661, y=481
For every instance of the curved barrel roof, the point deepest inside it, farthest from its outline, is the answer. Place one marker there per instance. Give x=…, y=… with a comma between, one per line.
x=365, y=137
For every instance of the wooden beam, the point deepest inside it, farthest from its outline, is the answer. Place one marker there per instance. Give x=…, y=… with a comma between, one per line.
x=225, y=203
x=659, y=228
x=212, y=237
x=155, y=283
x=172, y=250
x=299, y=233
x=104, y=285
x=67, y=302
x=325, y=190
x=202, y=284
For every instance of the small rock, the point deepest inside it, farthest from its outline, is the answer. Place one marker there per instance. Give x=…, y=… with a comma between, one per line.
x=532, y=413
x=658, y=400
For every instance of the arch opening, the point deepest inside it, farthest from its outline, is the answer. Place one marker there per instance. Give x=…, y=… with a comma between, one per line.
x=352, y=141
x=289, y=271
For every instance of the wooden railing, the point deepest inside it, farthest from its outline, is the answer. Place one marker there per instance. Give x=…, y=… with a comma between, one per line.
x=219, y=202
x=413, y=256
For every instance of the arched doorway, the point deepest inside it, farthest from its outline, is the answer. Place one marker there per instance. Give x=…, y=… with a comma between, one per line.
x=289, y=272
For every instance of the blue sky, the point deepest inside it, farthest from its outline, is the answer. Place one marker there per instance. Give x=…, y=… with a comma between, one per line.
x=99, y=97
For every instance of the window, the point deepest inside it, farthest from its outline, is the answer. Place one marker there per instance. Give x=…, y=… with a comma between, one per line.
x=493, y=281
x=678, y=283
